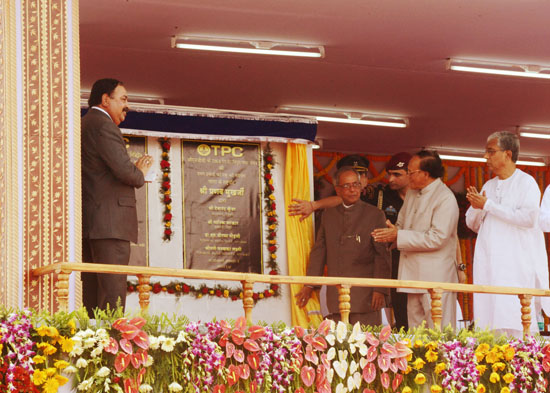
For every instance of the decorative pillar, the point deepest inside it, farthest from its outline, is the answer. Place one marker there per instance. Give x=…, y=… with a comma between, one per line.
x=40, y=213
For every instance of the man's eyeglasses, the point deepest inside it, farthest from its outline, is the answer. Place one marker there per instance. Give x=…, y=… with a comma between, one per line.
x=349, y=186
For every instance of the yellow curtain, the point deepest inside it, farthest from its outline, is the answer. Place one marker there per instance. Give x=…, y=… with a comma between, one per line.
x=299, y=234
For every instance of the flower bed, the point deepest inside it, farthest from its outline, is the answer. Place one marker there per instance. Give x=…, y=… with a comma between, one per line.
x=160, y=354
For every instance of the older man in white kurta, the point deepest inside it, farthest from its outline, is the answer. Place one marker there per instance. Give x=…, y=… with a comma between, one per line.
x=510, y=249
x=425, y=233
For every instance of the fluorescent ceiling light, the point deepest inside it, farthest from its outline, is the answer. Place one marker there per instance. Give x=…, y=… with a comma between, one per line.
x=248, y=46
x=349, y=117
x=534, y=132
x=509, y=69
x=453, y=157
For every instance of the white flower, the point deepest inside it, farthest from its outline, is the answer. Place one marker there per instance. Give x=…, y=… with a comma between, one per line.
x=182, y=336
x=118, y=389
x=106, y=385
x=103, y=372
x=81, y=363
x=341, y=331
x=69, y=370
x=175, y=387
x=341, y=389
x=149, y=361
x=96, y=352
x=145, y=388
x=154, y=342
x=168, y=345
x=89, y=343
x=86, y=384
x=331, y=354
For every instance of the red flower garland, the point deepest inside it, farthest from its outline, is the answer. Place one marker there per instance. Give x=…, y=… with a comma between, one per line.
x=165, y=188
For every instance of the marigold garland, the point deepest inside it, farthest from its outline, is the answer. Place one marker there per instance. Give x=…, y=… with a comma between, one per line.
x=180, y=288
x=165, y=188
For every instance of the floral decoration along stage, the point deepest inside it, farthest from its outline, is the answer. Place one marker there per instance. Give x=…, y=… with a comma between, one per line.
x=180, y=288
x=165, y=188
x=39, y=353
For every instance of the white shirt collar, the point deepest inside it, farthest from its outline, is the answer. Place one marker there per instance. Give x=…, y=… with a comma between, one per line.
x=102, y=110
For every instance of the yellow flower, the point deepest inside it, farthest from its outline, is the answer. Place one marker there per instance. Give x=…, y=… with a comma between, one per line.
x=273, y=227
x=481, y=388
x=491, y=357
x=418, y=343
x=66, y=344
x=436, y=389
x=273, y=256
x=39, y=377
x=261, y=295
x=272, y=197
x=483, y=348
x=42, y=330
x=61, y=380
x=199, y=295
x=168, y=224
x=211, y=291
x=431, y=356
x=269, y=166
x=498, y=366
x=409, y=357
x=420, y=379
x=419, y=363
x=407, y=342
x=406, y=389
x=432, y=345
x=479, y=356
x=440, y=367
x=178, y=287
x=494, y=378
x=481, y=368
x=169, y=207
x=47, y=348
x=167, y=192
x=505, y=390
x=508, y=377
x=225, y=293
x=164, y=154
x=52, y=332
x=408, y=370
x=270, y=181
x=273, y=241
x=271, y=291
x=51, y=371
x=61, y=364
x=50, y=386
x=72, y=325
x=39, y=359
x=509, y=352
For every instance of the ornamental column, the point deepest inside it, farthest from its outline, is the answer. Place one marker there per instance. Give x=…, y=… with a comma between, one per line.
x=40, y=206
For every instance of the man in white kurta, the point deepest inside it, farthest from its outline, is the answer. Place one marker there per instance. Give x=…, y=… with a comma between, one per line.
x=425, y=233
x=510, y=248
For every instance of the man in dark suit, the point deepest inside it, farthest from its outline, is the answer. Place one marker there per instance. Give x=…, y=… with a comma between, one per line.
x=345, y=246
x=109, y=219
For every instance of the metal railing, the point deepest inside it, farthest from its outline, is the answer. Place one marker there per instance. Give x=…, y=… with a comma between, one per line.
x=435, y=289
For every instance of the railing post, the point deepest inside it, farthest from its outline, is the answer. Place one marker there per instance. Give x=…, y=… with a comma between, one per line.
x=144, y=290
x=525, y=301
x=344, y=300
x=248, y=299
x=437, y=311
x=62, y=286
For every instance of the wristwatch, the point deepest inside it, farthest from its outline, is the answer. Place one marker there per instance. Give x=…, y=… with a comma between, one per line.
x=461, y=267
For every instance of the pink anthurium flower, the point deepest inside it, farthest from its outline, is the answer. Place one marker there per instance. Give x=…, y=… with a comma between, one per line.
x=256, y=332
x=240, y=323
x=112, y=347
x=372, y=353
x=142, y=340
x=385, y=333
x=126, y=345
x=229, y=350
x=401, y=363
x=131, y=386
x=384, y=362
x=239, y=355
x=311, y=356
x=138, y=322
x=128, y=331
x=385, y=380
x=223, y=340
x=245, y=371
x=319, y=343
x=237, y=336
x=402, y=349
x=324, y=327
x=121, y=362
x=251, y=345
x=396, y=381
x=369, y=373
x=368, y=391
x=219, y=389
x=299, y=331
x=119, y=322
x=253, y=361
x=389, y=350
x=308, y=375
x=233, y=374
x=372, y=340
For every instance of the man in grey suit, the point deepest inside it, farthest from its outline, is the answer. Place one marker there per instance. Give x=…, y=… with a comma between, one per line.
x=345, y=246
x=425, y=233
x=109, y=219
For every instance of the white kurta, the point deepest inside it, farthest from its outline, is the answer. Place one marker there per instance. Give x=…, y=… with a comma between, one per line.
x=510, y=249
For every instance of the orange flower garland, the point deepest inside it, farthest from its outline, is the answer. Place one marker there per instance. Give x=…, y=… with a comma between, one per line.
x=165, y=188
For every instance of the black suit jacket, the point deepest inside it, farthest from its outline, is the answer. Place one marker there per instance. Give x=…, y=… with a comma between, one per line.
x=108, y=181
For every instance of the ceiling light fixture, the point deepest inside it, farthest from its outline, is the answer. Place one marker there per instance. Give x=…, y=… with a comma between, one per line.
x=258, y=47
x=453, y=157
x=534, y=132
x=509, y=69
x=349, y=117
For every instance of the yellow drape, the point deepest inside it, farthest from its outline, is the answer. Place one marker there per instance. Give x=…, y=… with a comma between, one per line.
x=299, y=234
